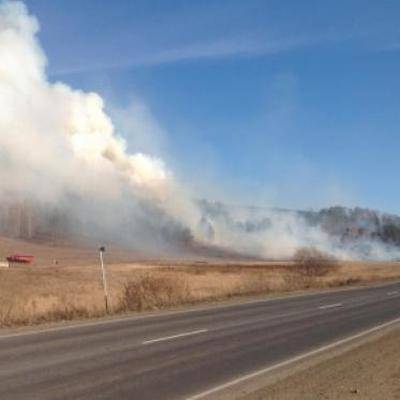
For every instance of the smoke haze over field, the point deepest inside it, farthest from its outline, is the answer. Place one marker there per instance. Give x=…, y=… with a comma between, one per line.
x=59, y=151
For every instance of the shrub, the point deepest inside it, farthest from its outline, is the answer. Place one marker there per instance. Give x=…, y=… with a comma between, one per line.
x=152, y=292
x=312, y=262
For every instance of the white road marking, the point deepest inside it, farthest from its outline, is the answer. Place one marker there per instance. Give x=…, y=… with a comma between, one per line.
x=292, y=360
x=331, y=306
x=175, y=336
x=393, y=293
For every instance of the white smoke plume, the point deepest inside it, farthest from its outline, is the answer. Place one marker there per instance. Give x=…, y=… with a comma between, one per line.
x=55, y=140
x=49, y=123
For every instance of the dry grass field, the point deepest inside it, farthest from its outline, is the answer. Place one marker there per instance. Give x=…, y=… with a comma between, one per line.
x=70, y=288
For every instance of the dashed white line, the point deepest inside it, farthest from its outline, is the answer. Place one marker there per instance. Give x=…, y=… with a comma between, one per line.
x=392, y=293
x=290, y=361
x=175, y=336
x=330, y=306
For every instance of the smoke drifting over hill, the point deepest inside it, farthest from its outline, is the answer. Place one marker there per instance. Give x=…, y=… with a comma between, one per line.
x=346, y=233
x=64, y=170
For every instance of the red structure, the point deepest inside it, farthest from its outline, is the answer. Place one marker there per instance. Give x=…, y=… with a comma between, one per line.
x=20, y=258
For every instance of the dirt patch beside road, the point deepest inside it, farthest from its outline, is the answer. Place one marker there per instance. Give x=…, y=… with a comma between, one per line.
x=368, y=372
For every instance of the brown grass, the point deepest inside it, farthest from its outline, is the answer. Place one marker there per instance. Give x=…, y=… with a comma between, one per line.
x=312, y=262
x=152, y=292
x=32, y=295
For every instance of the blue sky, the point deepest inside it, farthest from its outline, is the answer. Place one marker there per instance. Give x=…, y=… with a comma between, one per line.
x=289, y=103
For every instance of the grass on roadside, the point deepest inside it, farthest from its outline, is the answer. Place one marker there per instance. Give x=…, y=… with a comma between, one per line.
x=33, y=295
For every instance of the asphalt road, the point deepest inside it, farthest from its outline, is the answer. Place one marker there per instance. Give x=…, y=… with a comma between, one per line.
x=181, y=355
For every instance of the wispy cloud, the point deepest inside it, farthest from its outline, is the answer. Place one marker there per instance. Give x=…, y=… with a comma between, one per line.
x=145, y=35
x=221, y=48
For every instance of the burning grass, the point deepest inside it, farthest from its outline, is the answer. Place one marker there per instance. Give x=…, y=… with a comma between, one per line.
x=33, y=295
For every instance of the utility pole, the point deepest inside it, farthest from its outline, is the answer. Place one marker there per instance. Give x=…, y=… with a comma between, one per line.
x=102, y=250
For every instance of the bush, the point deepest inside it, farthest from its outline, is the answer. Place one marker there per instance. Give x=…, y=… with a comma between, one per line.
x=152, y=292
x=312, y=262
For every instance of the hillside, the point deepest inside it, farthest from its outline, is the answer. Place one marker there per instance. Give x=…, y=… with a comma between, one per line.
x=359, y=231
x=222, y=231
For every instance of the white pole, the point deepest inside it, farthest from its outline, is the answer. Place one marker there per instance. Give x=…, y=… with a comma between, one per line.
x=104, y=278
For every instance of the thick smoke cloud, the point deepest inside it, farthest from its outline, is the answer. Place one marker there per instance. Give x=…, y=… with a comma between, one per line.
x=58, y=146
x=50, y=129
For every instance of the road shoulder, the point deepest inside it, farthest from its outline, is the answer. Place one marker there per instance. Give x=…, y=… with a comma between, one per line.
x=368, y=369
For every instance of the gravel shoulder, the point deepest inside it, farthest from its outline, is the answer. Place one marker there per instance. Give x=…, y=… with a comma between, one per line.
x=368, y=372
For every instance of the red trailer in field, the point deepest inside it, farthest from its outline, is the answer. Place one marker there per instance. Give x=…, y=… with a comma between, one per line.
x=20, y=258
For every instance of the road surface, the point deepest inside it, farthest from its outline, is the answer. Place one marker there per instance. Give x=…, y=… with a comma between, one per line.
x=186, y=354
